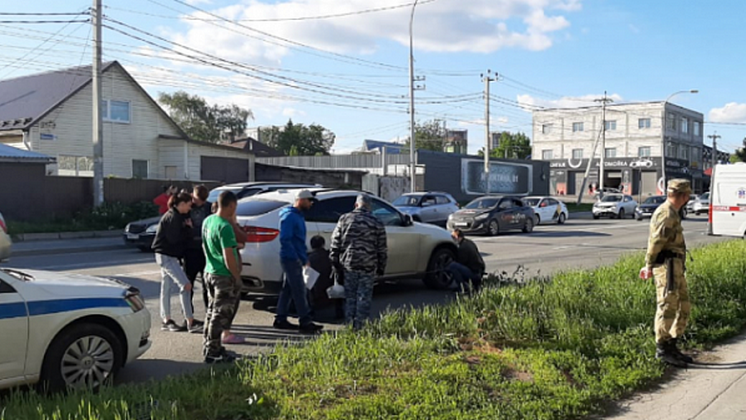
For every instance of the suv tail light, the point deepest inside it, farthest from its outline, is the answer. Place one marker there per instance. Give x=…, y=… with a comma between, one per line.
x=259, y=234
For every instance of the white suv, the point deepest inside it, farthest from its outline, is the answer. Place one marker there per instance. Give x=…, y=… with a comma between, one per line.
x=5, y=242
x=415, y=250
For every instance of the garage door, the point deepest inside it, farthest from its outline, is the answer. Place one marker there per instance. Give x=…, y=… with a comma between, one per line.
x=228, y=170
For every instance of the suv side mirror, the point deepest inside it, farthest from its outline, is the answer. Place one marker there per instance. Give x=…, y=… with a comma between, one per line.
x=408, y=220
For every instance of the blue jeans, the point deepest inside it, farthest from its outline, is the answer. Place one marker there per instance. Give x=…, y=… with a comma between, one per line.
x=462, y=275
x=293, y=288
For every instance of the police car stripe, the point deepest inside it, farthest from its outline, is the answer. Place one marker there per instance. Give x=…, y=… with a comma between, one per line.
x=47, y=307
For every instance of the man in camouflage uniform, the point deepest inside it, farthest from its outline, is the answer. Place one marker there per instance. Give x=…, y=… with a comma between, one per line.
x=665, y=261
x=359, y=248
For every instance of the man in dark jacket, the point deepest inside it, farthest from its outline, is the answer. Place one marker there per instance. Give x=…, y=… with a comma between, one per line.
x=359, y=248
x=293, y=257
x=194, y=258
x=469, y=265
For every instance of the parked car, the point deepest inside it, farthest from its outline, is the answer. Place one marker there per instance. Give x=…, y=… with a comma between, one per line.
x=5, y=241
x=615, y=205
x=548, y=209
x=605, y=191
x=701, y=204
x=140, y=234
x=493, y=215
x=416, y=250
x=648, y=207
x=432, y=207
x=68, y=330
x=690, y=204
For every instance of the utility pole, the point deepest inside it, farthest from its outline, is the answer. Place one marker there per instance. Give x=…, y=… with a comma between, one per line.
x=487, y=80
x=412, y=88
x=98, y=128
x=601, y=169
x=714, y=137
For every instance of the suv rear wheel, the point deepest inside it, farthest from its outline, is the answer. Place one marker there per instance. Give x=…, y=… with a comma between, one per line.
x=436, y=277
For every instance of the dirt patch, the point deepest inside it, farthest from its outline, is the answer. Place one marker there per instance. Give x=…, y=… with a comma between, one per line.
x=518, y=375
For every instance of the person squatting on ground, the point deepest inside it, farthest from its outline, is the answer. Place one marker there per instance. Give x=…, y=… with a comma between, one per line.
x=359, y=248
x=171, y=240
x=468, y=268
x=293, y=257
x=321, y=262
x=194, y=259
x=666, y=262
x=222, y=273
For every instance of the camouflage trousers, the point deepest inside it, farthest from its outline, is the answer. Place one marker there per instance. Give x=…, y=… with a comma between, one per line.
x=673, y=306
x=223, y=294
x=358, y=298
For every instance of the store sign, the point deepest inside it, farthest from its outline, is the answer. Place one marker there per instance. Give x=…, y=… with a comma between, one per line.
x=503, y=178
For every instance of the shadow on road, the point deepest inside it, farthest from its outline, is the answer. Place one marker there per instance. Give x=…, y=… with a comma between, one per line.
x=155, y=369
x=569, y=234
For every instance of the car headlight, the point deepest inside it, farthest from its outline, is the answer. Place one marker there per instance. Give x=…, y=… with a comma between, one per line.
x=482, y=216
x=134, y=300
x=152, y=228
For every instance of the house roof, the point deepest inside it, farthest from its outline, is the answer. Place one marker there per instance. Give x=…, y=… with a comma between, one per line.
x=14, y=154
x=260, y=149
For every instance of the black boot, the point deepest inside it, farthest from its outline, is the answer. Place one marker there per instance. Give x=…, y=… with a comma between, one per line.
x=664, y=354
x=674, y=349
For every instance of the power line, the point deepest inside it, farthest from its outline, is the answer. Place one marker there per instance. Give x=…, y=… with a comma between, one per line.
x=41, y=14
x=25, y=22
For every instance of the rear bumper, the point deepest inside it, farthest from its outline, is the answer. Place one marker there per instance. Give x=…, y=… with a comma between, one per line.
x=142, y=240
x=256, y=285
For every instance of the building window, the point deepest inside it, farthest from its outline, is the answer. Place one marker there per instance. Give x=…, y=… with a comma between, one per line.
x=546, y=128
x=115, y=111
x=643, y=123
x=578, y=126
x=140, y=169
x=671, y=122
x=74, y=165
x=670, y=150
x=683, y=152
x=577, y=153
x=684, y=126
x=547, y=154
x=643, y=151
x=697, y=128
x=611, y=125
x=611, y=152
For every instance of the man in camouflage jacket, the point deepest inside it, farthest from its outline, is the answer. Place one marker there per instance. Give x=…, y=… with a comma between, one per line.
x=665, y=261
x=359, y=248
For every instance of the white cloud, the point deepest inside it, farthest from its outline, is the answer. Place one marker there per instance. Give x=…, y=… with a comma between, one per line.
x=529, y=102
x=732, y=112
x=293, y=113
x=198, y=2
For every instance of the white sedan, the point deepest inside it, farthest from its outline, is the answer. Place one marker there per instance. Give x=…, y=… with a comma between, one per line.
x=548, y=209
x=68, y=330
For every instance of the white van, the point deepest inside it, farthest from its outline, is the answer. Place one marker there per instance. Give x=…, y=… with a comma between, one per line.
x=728, y=200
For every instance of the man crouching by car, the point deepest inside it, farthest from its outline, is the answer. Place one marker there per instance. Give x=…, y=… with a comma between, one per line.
x=469, y=266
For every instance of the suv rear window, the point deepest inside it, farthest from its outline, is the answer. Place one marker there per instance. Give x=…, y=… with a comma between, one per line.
x=256, y=207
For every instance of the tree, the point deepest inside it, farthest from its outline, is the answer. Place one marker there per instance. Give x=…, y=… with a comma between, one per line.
x=429, y=135
x=740, y=154
x=200, y=121
x=512, y=146
x=299, y=140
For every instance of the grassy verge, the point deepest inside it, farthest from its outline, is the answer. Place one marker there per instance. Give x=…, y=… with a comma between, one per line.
x=577, y=208
x=109, y=216
x=544, y=350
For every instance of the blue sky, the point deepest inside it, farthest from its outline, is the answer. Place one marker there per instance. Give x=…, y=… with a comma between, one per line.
x=354, y=82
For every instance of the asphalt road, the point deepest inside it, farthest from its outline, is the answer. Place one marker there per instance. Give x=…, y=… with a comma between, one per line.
x=577, y=244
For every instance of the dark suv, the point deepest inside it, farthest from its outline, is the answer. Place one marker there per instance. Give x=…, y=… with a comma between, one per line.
x=492, y=215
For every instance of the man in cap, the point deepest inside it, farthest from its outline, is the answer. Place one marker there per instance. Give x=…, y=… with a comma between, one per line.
x=293, y=257
x=665, y=261
x=359, y=248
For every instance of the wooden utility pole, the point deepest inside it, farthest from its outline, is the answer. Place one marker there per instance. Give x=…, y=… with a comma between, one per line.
x=601, y=169
x=98, y=128
x=487, y=80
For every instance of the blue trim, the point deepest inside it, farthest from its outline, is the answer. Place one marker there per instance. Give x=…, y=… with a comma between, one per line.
x=47, y=307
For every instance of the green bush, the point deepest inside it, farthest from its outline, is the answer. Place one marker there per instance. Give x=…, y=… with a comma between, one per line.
x=546, y=349
x=108, y=216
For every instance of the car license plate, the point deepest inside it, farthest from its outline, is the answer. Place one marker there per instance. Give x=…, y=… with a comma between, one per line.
x=133, y=236
x=461, y=224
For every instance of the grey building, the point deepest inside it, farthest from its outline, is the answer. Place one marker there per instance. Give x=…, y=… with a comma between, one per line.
x=633, y=151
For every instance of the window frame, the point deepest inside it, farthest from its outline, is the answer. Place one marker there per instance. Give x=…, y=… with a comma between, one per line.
x=641, y=148
x=106, y=111
x=684, y=125
x=544, y=154
x=608, y=155
x=643, y=123
x=697, y=128
x=546, y=128
x=147, y=168
x=610, y=125
x=577, y=157
x=578, y=127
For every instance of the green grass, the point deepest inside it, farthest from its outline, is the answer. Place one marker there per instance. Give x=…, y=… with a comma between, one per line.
x=577, y=208
x=548, y=349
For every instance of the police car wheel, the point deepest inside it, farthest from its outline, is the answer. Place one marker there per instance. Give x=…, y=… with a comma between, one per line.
x=436, y=277
x=82, y=356
x=561, y=219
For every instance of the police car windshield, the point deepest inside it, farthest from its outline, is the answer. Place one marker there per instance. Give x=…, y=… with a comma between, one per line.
x=484, y=203
x=20, y=275
x=612, y=199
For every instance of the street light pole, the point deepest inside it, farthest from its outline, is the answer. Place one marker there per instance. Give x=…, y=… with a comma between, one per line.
x=412, y=155
x=663, y=133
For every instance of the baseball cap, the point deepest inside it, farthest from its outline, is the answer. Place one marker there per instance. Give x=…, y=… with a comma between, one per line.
x=680, y=186
x=304, y=195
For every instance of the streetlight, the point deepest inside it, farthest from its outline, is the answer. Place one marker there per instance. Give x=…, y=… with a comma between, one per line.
x=412, y=163
x=663, y=133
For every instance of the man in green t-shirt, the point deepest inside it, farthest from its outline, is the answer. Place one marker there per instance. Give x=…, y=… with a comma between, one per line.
x=222, y=275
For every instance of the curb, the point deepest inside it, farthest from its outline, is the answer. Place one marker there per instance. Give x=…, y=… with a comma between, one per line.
x=58, y=251
x=29, y=237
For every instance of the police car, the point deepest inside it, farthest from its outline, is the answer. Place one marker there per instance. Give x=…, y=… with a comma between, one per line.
x=67, y=330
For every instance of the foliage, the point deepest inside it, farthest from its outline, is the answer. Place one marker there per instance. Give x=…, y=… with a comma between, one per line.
x=201, y=121
x=429, y=135
x=542, y=349
x=512, y=146
x=299, y=140
x=108, y=216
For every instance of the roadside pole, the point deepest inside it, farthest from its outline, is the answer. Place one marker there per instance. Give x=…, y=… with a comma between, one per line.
x=487, y=80
x=98, y=128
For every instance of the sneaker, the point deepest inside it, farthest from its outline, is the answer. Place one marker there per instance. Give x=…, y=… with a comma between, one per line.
x=233, y=339
x=223, y=357
x=285, y=325
x=197, y=327
x=311, y=328
x=171, y=326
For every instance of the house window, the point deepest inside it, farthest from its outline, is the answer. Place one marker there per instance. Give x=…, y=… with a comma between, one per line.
x=643, y=151
x=684, y=126
x=171, y=172
x=546, y=154
x=671, y=122
x=697, y=128
x=611, y=125
x=643, y=123
x=115, y=111
x=578, y=126
x=140, y=169
x=546, y=128
x=611, y=152
x=74, y=165
x=577, y=153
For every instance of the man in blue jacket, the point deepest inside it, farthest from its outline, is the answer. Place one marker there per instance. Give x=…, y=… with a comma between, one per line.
x=293, y=257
